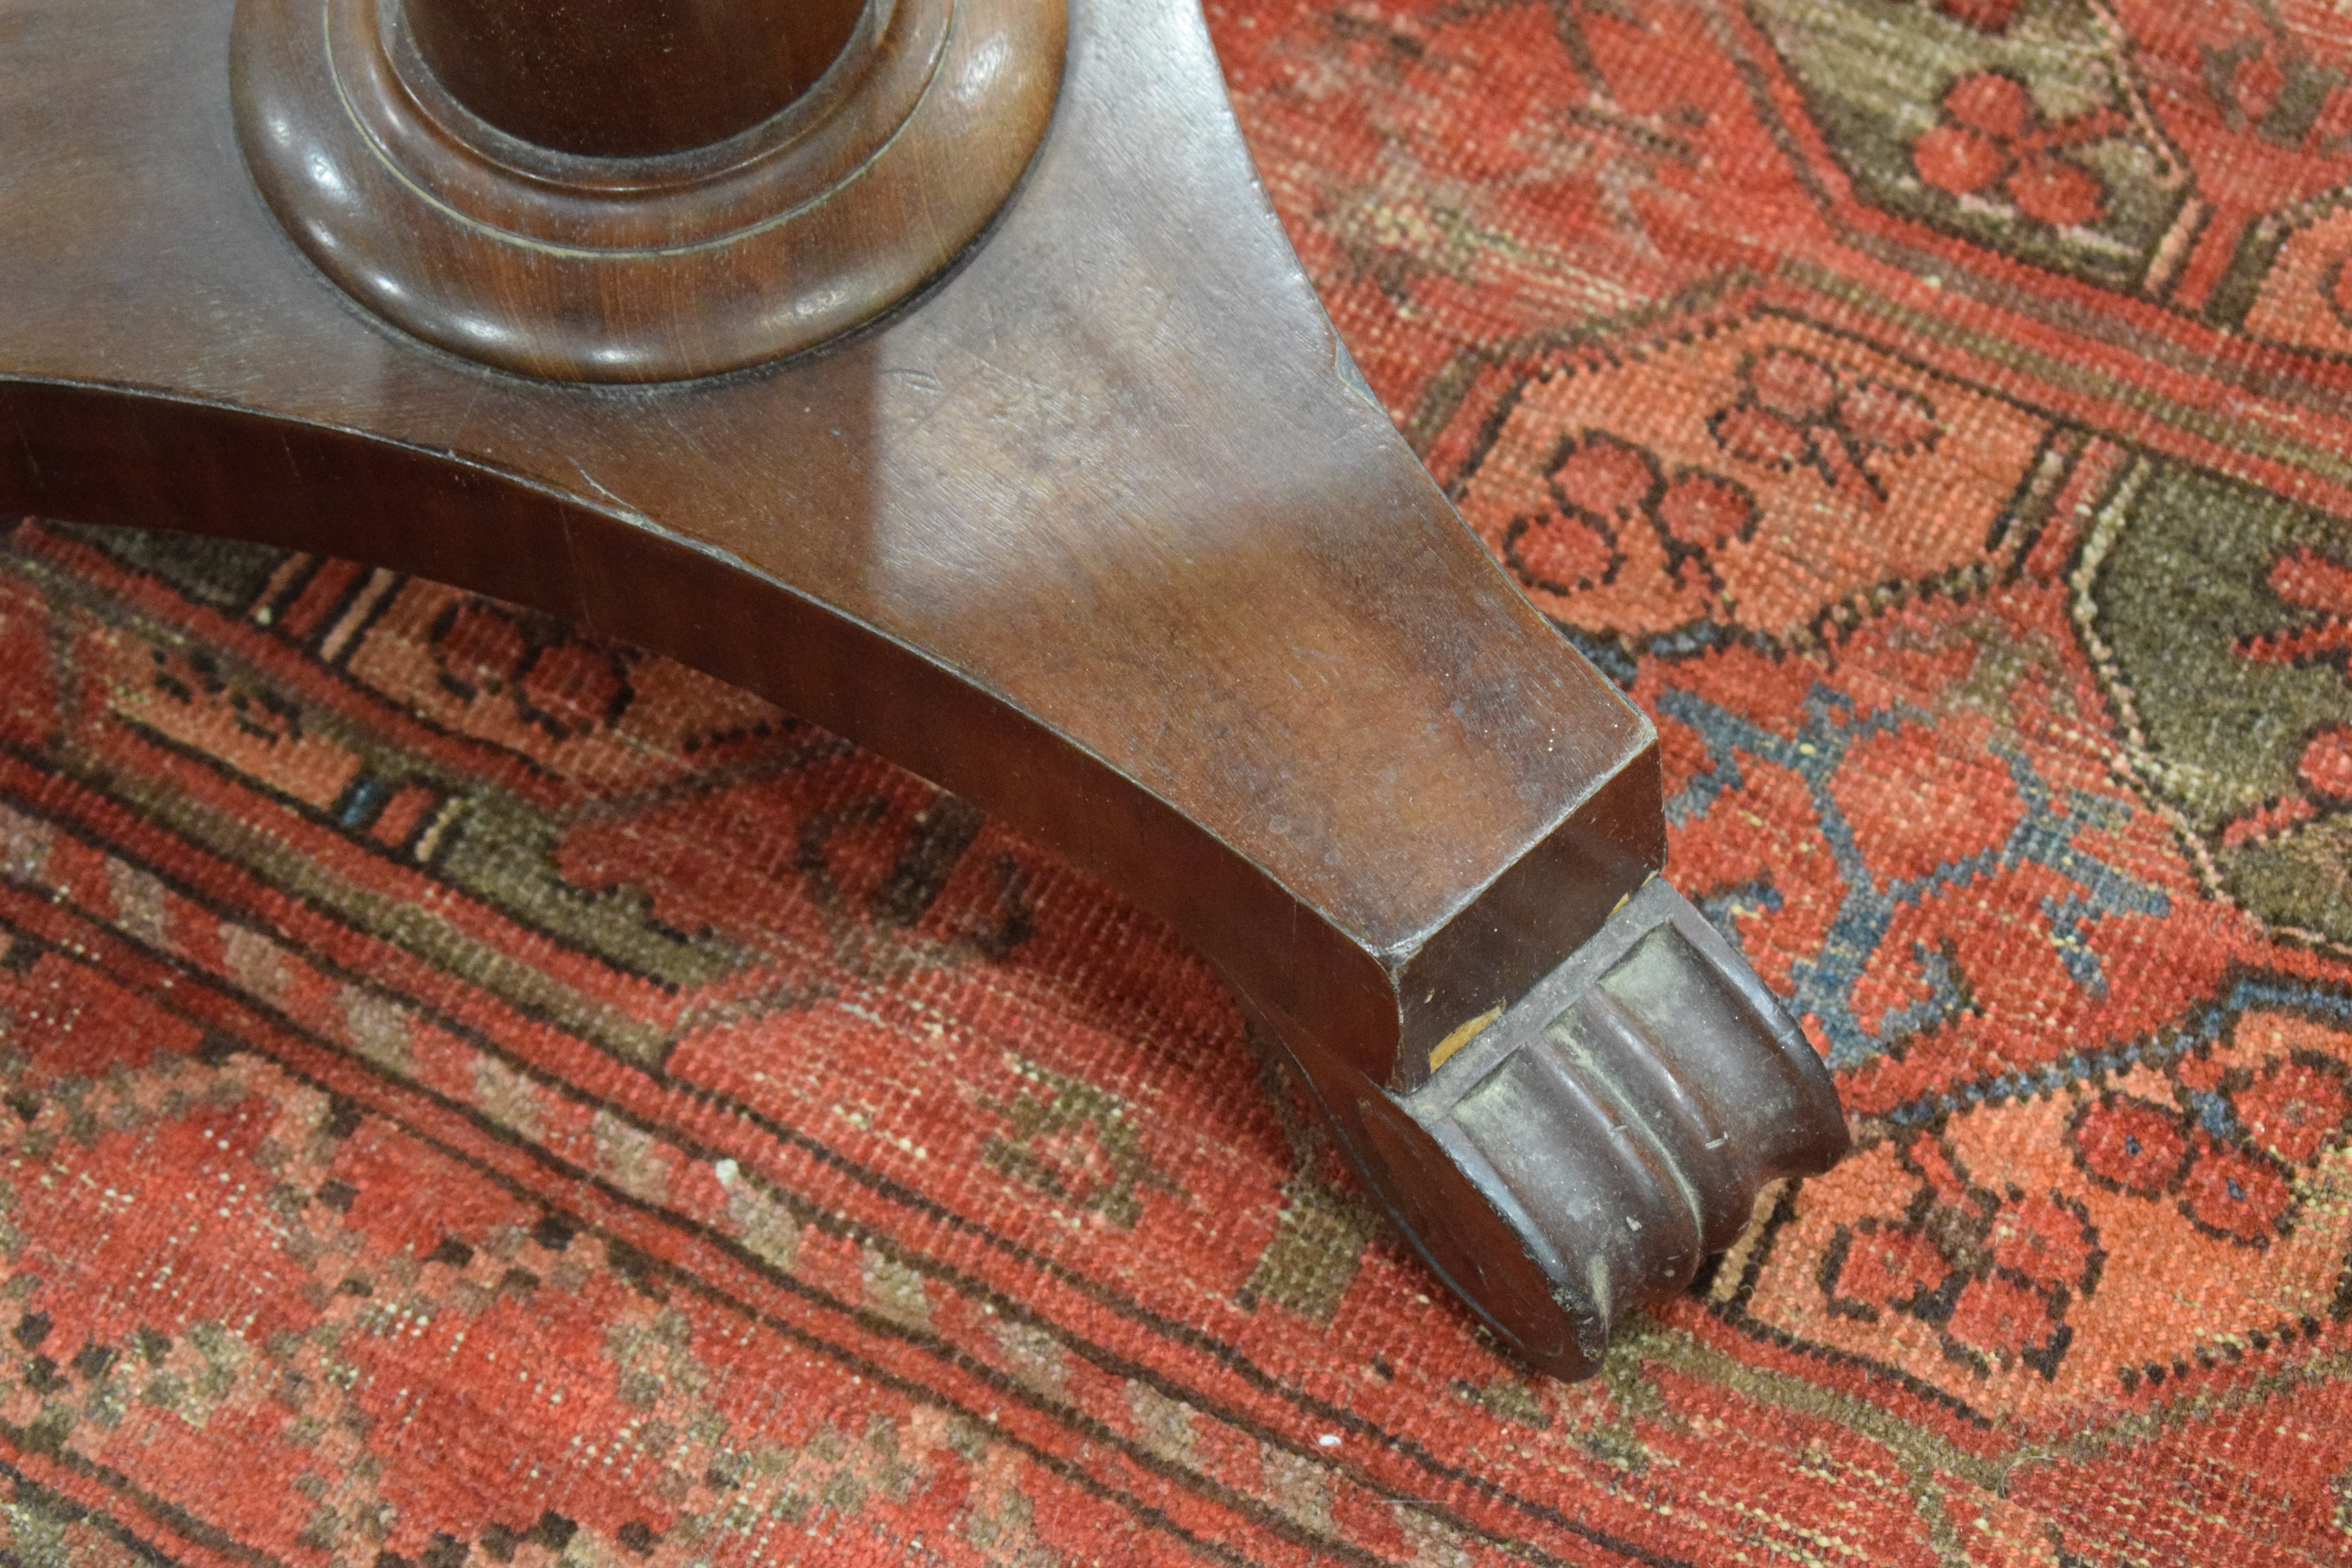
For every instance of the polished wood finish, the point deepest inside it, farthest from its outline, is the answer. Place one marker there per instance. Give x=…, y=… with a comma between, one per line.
x=1102, y=531
x=627, y=79
x=708, y=259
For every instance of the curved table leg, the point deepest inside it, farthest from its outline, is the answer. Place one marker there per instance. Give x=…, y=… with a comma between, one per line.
x=1100, y=530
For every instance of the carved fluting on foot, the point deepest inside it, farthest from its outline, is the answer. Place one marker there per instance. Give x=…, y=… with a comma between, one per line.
x=1586, y=1151
x=1624, y=1115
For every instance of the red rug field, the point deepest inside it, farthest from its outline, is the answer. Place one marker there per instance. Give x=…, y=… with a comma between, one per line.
x=470, y=1093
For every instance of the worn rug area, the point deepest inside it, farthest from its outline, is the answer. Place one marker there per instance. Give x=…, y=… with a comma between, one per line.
x=475, y=1094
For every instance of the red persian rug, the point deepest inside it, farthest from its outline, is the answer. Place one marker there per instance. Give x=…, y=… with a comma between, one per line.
x=474, y=1094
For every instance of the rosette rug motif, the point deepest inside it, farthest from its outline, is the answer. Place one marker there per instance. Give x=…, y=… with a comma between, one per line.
x=475, y=1094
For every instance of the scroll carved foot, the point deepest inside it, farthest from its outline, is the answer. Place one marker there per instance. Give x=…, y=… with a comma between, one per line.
x=1596, y=1141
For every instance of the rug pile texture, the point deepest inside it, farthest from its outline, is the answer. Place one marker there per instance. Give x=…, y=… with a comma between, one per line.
x=473, y=1094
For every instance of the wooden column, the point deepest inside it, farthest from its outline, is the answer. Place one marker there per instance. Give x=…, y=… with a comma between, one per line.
x=639, y=190
x=628, y=79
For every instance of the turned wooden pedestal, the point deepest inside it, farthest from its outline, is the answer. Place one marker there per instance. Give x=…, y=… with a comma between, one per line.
x=936, y=369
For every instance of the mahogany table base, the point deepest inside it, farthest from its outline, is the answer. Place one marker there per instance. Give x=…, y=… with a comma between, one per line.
x=1099, y=528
